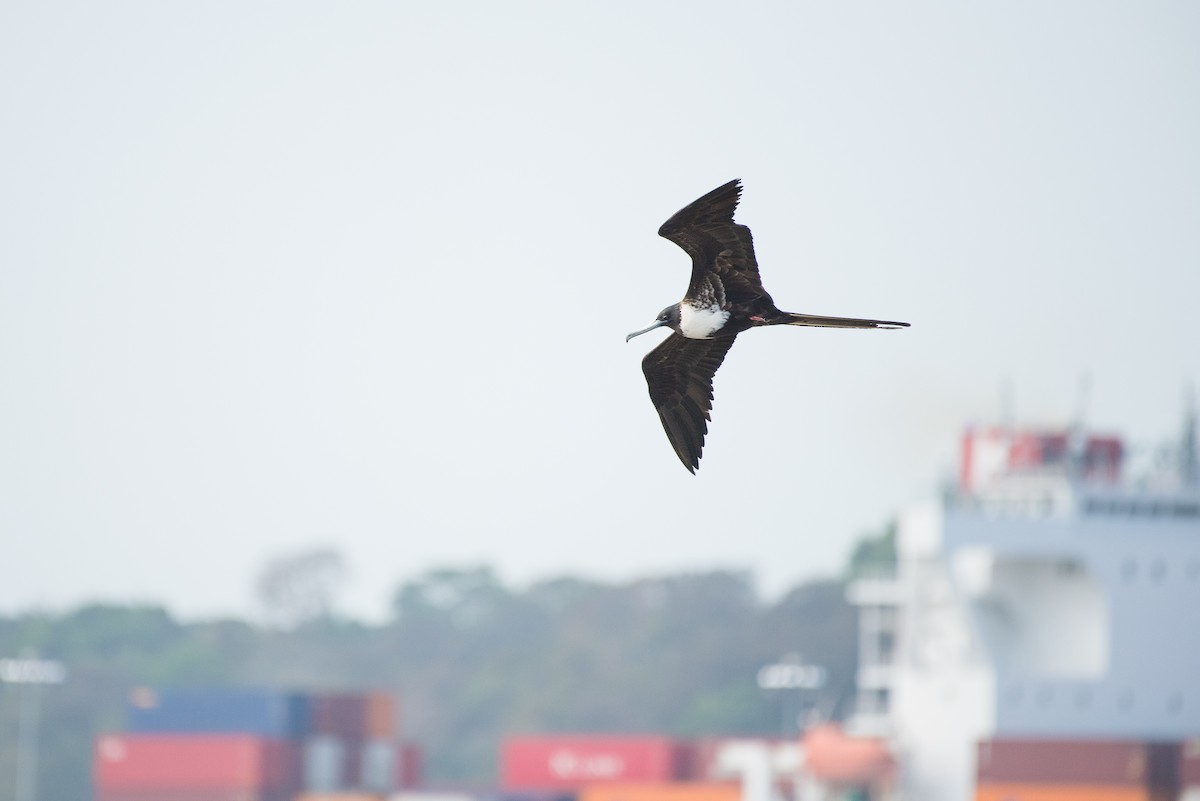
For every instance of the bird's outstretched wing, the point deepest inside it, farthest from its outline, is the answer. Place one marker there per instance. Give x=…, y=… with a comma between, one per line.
x=679, y=373
x=706, y=231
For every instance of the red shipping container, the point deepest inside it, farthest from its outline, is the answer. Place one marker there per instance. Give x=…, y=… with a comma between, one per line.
x=410, y=766
x=195, y=761
x=1093, y=762
x=1189, y=763
x=553, y=762
x=342, y=715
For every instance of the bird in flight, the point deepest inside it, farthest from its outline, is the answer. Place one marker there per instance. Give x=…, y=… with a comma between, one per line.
x=724, y=298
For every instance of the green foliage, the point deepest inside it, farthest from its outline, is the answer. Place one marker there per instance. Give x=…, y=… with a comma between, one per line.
x=471, y=658
x=873, y=555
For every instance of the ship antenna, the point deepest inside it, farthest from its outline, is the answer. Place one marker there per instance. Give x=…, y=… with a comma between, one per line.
x=1189, y=463
x=1077, y=438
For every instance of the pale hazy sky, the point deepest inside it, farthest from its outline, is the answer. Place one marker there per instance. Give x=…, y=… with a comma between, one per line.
x=278, y=275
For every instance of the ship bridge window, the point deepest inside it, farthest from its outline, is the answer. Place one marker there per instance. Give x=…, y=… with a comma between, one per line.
x=887, y=647
x=1162, y=508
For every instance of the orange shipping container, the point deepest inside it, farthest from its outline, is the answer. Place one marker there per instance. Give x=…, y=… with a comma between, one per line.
x=1059, y=792
x=667, y=791
x=381, y=716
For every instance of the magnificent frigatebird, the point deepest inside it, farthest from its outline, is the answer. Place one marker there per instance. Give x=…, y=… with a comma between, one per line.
x=725, y=297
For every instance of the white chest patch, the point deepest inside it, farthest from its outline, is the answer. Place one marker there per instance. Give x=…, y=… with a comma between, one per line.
x=701, y=322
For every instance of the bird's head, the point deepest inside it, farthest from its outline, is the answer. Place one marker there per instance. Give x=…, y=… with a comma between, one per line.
x=668, y=317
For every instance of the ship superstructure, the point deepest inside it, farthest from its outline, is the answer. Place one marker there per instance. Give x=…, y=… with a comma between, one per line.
x=1047, y=597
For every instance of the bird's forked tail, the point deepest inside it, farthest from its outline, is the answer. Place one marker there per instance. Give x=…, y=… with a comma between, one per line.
x=818, y=321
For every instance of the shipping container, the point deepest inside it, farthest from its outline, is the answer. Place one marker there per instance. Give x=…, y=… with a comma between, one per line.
x=431, y=795
x=325, y=760
x=529, y=795
x=381, y=723
x=714, y=758
x=196, y=761
x=266, y=713
x=189, y=794
x=1189, y=763
x=341, y=715
x=342, y=796
x=570, y=761
x=1089, y=762
x=380, y=770
x=670, y=791
x=353, y=766
x=410, y=766
x=1163, y=768
x=1060, y=792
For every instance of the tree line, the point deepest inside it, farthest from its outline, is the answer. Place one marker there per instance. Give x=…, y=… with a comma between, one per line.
x=470, y=658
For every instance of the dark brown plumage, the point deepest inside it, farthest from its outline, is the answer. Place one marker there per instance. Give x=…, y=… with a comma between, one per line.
x=725, y=297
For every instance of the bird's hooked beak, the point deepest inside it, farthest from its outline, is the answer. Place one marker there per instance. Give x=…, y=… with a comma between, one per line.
x=657, y=324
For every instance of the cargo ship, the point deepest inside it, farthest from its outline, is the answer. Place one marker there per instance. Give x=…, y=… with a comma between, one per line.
x=1037, y=638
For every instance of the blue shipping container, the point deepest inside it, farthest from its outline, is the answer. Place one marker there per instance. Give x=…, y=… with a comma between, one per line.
x=266, y=713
